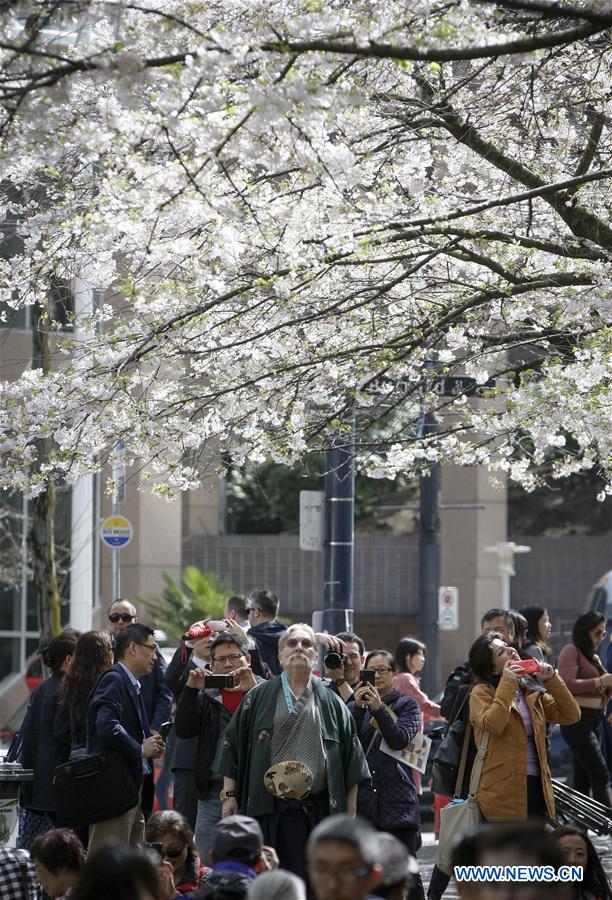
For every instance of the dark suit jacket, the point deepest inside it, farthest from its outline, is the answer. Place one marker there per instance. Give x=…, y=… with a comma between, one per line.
x=156, y=695
x=176, y=675
x=113, y=719
x=41, y=749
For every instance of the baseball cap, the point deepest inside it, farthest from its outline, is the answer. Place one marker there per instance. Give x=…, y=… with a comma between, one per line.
x=237, y=837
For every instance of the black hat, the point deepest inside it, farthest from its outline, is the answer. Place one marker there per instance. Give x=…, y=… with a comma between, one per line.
x=237, y=837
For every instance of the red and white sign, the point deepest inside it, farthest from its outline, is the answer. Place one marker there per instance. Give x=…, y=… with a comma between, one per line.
x=448, y=609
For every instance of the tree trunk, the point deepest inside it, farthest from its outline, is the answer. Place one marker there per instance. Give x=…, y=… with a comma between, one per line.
x=41, y=537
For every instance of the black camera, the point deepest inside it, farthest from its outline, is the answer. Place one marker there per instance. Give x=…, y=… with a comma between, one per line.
x=334, y=660
x=219, y=681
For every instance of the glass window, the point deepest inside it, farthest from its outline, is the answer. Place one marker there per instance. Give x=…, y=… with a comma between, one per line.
x=9, y=656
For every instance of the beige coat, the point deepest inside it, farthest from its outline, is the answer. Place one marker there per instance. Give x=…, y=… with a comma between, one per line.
x=502, y=793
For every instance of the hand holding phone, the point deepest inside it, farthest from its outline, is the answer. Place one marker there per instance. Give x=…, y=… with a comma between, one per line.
x=367, y=676
x=164, y=730
x=219, y=681
x=527, y=666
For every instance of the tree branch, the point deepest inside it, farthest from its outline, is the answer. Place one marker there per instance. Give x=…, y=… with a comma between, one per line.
x=413, y=54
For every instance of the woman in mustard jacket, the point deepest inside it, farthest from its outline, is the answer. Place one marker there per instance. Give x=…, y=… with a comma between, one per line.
x=515, y=781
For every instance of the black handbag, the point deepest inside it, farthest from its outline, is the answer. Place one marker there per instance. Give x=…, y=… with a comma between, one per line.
x=445, y=763
x=92, y=789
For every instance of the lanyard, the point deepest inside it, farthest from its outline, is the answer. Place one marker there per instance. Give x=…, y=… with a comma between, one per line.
x=287, y=692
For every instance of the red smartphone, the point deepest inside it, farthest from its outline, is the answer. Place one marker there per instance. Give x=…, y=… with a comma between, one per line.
x=529, y=666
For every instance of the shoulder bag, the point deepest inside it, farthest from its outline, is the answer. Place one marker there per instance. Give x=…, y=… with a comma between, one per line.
x=90, y=789
x=446, y=758
x=460, y=816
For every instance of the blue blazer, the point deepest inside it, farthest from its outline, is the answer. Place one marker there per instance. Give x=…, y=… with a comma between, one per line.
x=156, y=694
x=113, y=719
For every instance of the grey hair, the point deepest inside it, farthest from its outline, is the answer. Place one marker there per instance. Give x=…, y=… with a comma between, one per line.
x=287, y=634
x=277, y=885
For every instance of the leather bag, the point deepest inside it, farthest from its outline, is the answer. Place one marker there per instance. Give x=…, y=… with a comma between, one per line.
x=460, y=816
x=90, y=789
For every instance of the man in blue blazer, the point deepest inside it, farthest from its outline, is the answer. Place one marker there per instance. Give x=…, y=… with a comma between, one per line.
x=155, y=692
x=117, y=720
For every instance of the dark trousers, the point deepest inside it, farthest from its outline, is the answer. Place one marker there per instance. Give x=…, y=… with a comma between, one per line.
x=185, y=796
x=411, y=839
x=288, y=827
x=590, y=769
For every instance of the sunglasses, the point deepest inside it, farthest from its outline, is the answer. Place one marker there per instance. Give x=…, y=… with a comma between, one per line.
x=172, y=852
x=306, y=643
x=123, y=617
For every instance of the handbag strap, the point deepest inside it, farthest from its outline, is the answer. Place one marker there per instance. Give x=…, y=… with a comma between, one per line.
x=478, y=764
x=463, y=759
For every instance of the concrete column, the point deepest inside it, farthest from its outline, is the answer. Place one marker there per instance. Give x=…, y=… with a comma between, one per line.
x=464, y=563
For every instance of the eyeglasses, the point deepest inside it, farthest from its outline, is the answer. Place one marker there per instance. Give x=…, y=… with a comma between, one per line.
x=384, y=670
x=123, y=617
x=230, y=659
x=171, y=852
x=344, y=874
x=600, y=634
x=306, y=643
x=253, y=609
x=151, y=647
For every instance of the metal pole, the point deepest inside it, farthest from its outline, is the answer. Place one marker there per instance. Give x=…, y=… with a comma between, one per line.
x=118, y=496
x=429, y=567
x=339, y=533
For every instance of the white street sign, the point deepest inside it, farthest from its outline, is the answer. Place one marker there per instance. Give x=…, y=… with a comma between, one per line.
x=448, y=609
x=312, y=519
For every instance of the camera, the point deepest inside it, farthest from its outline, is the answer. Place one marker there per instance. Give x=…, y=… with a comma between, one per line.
x=219, y=681
x=154, y=852
x=334, y=660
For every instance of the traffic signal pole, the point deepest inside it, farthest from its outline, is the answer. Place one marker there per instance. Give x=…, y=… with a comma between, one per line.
x=339, y=545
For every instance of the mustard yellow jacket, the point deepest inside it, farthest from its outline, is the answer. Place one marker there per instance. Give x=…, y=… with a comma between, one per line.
x=502, y=792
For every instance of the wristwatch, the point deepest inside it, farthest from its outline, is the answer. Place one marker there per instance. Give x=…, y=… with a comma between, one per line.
x=225, y=795
x=339, y=681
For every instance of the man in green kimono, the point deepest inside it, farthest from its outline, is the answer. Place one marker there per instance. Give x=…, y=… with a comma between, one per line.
x=290, y=754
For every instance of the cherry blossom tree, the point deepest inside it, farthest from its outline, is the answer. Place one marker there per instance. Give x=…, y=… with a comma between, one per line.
x=292, y=210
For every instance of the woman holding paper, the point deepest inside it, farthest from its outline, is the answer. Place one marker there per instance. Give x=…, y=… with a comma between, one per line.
x=386, y=722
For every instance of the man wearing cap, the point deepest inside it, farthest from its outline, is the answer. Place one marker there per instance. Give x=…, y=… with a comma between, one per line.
x=236, y=855
x=290, y=754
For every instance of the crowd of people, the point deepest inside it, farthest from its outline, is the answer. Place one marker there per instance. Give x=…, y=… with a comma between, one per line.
x=294, y=779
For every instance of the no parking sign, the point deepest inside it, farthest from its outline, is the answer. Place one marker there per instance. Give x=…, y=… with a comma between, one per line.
x=448, y=609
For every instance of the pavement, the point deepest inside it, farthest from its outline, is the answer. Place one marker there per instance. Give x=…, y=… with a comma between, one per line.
x=429, y=851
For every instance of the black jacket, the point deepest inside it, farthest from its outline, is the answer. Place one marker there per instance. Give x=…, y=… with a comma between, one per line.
x=41, y=749
x=266, y=637
x=202, y=714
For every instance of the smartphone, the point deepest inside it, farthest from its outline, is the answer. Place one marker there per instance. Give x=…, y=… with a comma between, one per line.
x=217, y=625
x=164, y=729
x=529, y=666
x=367, y=676
x=154, y=852
x=219, y=681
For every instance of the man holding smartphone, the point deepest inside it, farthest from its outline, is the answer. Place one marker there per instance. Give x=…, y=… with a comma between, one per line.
x=204, y=711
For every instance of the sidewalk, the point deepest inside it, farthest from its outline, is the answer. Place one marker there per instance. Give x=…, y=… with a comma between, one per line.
x=428, y=852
